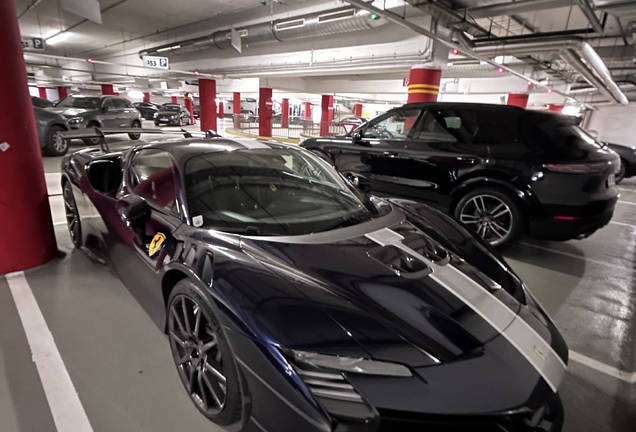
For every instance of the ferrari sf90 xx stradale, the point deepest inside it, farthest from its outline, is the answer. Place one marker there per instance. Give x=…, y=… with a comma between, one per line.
x=293, y=302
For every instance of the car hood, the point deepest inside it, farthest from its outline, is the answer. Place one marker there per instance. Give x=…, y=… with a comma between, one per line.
x=387, y=303
x=69, y=112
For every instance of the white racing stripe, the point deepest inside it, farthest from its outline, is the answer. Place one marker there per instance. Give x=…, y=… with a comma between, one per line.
x=252, y=144
x=520, y=334
x=66, y=407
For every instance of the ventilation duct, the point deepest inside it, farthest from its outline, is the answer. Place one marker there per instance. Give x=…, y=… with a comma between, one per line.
x=335, y=21
x=575, y=51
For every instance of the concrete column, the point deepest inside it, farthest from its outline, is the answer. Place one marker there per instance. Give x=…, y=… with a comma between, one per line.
x=189, y=105
x=107, y=89
x=327, y=114
x=221, y=111
x=358, y=110
x=518, y=99
x=307, y=113
x=207, y=104
x=284, y=113
x=62, y=92
x=146, y=97
x=26, y=228
x=236, y=103
x=424, y=84
x=556, y=108
x=42, y=91
x=174, y=100
x=265, y=105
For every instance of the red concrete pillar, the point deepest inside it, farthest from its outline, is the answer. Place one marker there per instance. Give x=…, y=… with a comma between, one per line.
x=327, y=114
x=107, y=89
x=307, y=113
x=518, y=99
x=174, y=100
x=265, y=105
x=26, y=228
x=557, y=108
x=207, y=104
x=221, y=110
x=284, y=114
x=358, y=110
x=146, y=97
x=189, y=105
x=62, y=92
x=42, y=91
x=424, y=84
x=236, y=103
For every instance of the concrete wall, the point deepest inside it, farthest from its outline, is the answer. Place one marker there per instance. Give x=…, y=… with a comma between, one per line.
x=616, y=124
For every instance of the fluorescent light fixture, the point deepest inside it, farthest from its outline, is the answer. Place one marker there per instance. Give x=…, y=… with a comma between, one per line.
x=571, y=110
x=51, y=33
x=135, y=94
x=57, y=38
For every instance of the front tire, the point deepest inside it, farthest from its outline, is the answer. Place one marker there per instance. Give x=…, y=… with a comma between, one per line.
x=135, y=125
x=202, y=355
x=495, y=216
x=73, y=221
x=622, y=171
x=93, y=141
x=55, y=145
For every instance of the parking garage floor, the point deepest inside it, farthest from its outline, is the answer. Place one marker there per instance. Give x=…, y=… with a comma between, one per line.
x=121, y=366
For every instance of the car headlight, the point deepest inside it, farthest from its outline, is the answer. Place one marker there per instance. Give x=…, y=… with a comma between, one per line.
x=155, y=115
x=76, y=120
x=349, y=364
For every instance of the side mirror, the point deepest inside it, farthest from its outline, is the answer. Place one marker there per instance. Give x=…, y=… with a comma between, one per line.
x=356, y=137
x=593, y=134
x=134, y=211
x=105, y=108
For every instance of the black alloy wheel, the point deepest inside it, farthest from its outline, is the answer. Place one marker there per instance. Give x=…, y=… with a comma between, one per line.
x=622, y=171
x=493, y=214
x=202, y=356
x=73, y=221
x=55, y=144
x=133, y=136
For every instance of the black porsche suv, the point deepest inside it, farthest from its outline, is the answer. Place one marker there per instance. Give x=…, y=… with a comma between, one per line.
x=501, y=170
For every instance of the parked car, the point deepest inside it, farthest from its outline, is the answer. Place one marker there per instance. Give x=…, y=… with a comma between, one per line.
x=503, y=171
x=41, y=102
x=147, y=109
x=50, y=127
x=173, y=115
x=628, y=161
x=286, y=293
x=354, y=120
x=99, y=111
x=196, y=111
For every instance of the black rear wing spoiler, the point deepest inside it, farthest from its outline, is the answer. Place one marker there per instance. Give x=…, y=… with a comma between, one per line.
x=103, y=132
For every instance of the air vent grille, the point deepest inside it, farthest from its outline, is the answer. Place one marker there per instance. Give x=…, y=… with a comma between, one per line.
x=288, y=25
x=335, y=16
x=329, y=386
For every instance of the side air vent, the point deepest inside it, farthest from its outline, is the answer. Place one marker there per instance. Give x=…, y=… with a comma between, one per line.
x=329, y=386
x=416, y=240
x=288, y=25
x=335, y=16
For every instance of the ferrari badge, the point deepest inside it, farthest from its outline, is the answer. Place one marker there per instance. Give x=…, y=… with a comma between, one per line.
x=156, y=243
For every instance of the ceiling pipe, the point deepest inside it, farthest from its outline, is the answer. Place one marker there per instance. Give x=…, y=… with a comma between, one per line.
x=502, y=9
x=575, y=51
x=334, y=21
x=589, y=13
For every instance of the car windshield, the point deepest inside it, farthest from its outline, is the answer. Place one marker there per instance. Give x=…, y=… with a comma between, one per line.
x=170, y=108
x=271, y=192
x=80, y=102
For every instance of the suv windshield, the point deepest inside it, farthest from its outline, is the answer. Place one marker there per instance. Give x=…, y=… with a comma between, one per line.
x=80, y=102
x=272, y=192
x=170, y=108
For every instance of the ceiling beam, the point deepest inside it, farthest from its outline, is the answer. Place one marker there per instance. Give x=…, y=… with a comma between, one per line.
x=502, y=9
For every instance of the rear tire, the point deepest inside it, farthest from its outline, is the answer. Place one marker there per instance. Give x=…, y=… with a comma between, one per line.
x=136, y=125
x=55, y=145
x=494, y=214
x=622, y=171
x=203, y=358
x=93, y=141
x=73, y=220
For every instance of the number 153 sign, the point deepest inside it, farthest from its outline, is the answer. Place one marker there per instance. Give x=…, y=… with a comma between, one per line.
x=156, y=62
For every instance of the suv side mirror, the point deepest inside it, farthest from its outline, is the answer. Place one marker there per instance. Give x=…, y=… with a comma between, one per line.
x=356, y=138
x=593, y=134
x=105, y=108
x=134, y=211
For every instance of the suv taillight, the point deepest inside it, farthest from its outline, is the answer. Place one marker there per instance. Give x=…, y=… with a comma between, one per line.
x=588, y=168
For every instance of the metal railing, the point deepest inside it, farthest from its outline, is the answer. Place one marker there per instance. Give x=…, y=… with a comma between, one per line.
x=298, y=127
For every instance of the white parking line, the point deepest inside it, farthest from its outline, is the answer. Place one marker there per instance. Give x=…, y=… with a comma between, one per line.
x=619, y=266
x=66, y=407
x=626, y=202
x=623, y=224
x=603, y=368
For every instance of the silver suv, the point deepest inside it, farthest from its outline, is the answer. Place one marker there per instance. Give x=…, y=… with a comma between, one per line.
x=98, y=111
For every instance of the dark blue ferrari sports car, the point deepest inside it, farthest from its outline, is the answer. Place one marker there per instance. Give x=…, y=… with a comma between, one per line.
x=293, y=302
